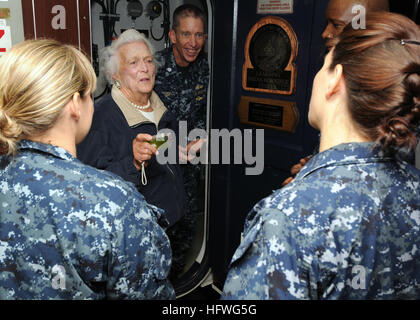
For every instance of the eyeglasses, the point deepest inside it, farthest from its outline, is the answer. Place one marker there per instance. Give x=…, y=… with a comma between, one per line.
x=188, y=35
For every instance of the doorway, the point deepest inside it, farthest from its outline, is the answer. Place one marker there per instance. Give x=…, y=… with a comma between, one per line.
x=154, y=18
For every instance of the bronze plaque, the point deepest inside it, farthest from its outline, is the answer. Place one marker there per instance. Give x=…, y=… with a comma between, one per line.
x=269, y=113
x=270, y=53
x=265, y=114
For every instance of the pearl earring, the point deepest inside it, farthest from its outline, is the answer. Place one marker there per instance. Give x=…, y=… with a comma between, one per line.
x=117, y=83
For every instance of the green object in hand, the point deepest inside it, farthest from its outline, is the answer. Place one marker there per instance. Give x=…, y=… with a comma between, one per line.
x=158, y=140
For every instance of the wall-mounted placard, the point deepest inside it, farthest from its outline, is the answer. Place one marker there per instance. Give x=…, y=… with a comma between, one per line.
x=269, y=113
x=270, y=53
x=274, y=6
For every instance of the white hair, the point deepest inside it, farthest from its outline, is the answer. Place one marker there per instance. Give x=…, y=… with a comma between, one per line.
x=109, y=61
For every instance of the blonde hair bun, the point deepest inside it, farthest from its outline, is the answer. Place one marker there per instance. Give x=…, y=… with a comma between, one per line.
x=37, y=79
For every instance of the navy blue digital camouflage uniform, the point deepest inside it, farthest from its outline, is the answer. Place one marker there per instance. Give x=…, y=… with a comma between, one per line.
x=70, y=231
x=347, y=227
x=183, y=91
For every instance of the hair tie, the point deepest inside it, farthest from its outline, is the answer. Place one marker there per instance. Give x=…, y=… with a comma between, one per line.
x=403, y=42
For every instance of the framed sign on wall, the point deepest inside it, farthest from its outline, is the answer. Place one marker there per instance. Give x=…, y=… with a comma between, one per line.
x=270, y=53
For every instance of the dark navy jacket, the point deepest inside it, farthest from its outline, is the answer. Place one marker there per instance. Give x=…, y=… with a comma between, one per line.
x=109, y=144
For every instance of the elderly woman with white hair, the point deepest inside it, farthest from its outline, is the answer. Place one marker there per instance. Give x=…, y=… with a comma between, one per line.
x=124, y=122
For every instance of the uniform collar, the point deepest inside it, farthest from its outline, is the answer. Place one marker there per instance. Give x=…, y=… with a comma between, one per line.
x=172, y=62
x=56, y=151
x=344, y=154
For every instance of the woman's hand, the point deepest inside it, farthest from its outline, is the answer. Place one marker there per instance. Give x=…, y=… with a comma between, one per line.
x=142, y=149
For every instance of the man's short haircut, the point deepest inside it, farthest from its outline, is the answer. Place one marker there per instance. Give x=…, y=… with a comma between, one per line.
x=188, y=10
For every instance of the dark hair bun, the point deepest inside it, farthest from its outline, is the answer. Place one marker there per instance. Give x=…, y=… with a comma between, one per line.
x=399, y=130
x=382, y=75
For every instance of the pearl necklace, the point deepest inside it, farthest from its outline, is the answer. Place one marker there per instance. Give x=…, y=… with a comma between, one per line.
x=140, y=108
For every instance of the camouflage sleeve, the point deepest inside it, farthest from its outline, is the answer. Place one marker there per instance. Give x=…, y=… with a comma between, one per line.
x=140, y=256
x=268, y=264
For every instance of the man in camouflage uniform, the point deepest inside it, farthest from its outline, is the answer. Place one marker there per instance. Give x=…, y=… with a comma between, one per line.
x=346, y=228
x=70, y=231
x=181, y=83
